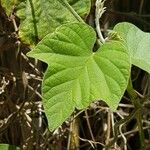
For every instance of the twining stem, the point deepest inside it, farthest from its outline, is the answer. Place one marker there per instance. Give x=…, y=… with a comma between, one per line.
x=100, y=9
x=102, y=40
x=135, y=100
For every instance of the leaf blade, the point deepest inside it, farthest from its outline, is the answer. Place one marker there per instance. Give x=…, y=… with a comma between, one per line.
x=81, y=75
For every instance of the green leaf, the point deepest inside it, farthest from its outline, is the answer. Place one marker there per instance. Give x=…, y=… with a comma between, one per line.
x=138, y=44
x=8, y=147
x=40, y=17
x=76, y=76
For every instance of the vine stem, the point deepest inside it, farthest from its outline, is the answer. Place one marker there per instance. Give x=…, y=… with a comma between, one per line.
x=135, y=100
x=102, y=40
x=100, y=9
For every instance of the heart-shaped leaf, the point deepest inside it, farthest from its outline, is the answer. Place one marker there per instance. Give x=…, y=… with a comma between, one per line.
x=137, y=42
x=76, y=76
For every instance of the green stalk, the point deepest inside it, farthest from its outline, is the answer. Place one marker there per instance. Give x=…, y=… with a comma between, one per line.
x=135, y=100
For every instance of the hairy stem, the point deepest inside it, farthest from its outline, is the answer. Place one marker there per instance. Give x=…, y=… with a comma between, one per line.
x=102, y=40
x=100, y=9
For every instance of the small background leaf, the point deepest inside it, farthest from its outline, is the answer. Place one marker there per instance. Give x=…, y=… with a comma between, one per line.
x=138, y=44
x=40, y=17
x=76, y=76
